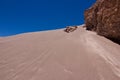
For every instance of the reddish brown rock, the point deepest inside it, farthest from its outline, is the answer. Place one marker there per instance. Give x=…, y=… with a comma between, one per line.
x=104, y=18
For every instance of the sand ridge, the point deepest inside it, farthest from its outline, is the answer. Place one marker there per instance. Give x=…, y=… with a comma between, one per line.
x=57, y=55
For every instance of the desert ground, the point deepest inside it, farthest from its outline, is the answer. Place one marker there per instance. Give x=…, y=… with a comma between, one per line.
x=57, y=55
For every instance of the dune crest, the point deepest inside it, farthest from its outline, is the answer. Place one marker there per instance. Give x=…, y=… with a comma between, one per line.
x=57, y=55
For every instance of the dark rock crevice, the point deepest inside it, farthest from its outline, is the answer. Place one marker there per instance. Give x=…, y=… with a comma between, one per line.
x=114, y=40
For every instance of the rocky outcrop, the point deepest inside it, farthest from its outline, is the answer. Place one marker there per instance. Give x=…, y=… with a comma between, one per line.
x=104, y=18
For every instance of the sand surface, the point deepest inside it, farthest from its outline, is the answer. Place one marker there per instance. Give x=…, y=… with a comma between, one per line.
x=57, y=55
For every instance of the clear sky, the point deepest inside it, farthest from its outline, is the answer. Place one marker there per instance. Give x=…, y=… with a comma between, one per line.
x=20, y=16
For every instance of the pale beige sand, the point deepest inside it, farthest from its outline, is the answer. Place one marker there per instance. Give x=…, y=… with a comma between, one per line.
x=56, y=55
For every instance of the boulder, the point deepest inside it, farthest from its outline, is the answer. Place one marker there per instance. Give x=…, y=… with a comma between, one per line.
x=104, y=18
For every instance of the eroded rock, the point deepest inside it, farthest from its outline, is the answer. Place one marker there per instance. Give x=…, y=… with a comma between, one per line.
x=104, y=18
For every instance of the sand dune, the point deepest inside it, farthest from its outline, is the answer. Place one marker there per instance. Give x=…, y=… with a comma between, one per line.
x=57, y=55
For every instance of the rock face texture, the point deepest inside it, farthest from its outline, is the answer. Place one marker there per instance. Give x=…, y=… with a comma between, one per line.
x=104, y=18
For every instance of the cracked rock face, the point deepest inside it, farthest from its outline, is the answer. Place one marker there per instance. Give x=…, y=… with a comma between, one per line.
x=104, y=18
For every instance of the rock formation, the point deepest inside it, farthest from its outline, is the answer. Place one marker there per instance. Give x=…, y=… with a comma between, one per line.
x=104, y=18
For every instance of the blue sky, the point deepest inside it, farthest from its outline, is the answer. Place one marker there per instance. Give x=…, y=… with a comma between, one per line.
x=20, y=16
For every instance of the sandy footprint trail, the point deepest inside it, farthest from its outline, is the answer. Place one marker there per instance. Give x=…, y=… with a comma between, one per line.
x=56, y=55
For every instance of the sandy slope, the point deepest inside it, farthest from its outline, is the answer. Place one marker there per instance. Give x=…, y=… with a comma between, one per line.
x=56, y=55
